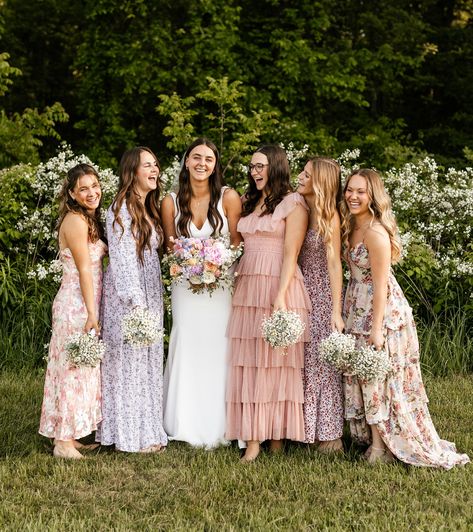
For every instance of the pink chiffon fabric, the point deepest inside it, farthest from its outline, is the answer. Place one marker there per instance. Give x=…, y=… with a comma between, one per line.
x=264, y=393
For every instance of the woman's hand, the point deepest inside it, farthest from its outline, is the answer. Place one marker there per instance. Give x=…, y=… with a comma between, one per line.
x=376, y=339
x=279, y=303
x=92, y=323
x=337, y=322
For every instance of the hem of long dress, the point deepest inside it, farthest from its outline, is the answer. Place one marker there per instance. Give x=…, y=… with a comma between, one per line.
x=208, y=446
x=125, y=448
x=76, y=436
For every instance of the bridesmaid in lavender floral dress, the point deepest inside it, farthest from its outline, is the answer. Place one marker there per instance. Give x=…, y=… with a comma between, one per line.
x=132, y=381
x=321, y=267
x=71, y=403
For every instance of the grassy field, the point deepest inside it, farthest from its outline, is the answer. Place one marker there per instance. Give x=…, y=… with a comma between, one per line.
x=193, y=489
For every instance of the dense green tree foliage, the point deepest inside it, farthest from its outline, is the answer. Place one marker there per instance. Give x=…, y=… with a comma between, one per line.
x=388, y=77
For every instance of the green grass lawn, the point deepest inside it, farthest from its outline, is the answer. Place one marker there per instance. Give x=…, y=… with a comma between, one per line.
x=186, y=488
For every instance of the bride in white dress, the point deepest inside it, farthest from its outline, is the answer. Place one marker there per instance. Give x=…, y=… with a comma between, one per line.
x=196, y=368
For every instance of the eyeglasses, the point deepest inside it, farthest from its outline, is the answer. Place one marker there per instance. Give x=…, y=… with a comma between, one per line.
x=258, y=167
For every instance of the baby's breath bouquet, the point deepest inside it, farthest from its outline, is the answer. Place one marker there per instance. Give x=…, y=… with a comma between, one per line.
x=369, y=364
x=366, y=362
x=338, y=350
x=282, y=329
x=141, y=328
x=84, y=349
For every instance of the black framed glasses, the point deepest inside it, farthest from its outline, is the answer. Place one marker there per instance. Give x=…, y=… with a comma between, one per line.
x=258, y=167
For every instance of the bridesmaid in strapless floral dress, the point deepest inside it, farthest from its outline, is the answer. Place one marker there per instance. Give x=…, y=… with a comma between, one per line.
x=71, y=403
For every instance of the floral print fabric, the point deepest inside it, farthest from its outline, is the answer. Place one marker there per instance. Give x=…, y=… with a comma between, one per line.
x=397, y=405
x=132, y=381
x=323, y=396
x=71, y=402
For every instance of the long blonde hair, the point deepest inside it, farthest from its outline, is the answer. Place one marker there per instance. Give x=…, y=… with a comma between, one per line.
x=380, y=208
x=326, y=184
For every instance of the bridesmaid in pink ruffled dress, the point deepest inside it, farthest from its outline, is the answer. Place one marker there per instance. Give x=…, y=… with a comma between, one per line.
x=264, y=391
x=321, y=265
x=392, y=414
x=72, y=398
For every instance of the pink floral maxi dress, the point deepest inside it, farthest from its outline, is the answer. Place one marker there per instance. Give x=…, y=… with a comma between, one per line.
x=264, y=392
x=323, y=396
x=72, y=398
x=397, y=405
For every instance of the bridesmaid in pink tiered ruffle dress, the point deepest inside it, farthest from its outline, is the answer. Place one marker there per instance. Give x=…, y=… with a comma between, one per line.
x=265, y=392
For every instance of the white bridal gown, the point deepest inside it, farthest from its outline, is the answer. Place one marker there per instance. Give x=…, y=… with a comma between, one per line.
x=196, y=368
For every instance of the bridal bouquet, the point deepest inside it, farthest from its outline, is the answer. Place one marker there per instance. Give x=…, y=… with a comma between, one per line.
x=141, y=328
x=282, y=329
x=84, y=349
x=203, y=262
x=366, y=362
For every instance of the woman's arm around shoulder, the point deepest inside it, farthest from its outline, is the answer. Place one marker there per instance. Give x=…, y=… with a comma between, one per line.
x=296, y=227
x=232, y=209
x=74, y=233
x=167, y=216
x=335, y=273
x=379, y=249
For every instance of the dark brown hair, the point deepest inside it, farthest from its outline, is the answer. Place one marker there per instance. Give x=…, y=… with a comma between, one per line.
x=68, y=204
x=278, y=185
x=184, y=194
x=140, y=227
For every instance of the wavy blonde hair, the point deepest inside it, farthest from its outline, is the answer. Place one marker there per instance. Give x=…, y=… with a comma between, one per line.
x=380, y=208
x=326, y=184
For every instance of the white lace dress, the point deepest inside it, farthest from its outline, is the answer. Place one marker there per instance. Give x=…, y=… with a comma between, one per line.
x=196, y=369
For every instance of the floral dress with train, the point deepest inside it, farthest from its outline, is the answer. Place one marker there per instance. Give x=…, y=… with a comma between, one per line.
x=71, y=403
x=398, y=404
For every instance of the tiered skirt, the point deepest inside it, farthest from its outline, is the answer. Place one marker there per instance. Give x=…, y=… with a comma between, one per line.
x=265, y=393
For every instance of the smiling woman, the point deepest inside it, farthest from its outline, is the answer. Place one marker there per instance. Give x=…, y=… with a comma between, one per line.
x=197, y=364
x=132, y=376
x=71, y=403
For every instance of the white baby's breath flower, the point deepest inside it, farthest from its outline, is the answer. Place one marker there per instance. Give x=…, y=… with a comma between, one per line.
x=283, y=328
x=141, y=328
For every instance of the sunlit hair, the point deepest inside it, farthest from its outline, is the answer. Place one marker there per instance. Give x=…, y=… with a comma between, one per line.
x=326, y=184
x=184, y=194
x=140, y=228
x=380, y=208
x=68, y=204
x=278, y=185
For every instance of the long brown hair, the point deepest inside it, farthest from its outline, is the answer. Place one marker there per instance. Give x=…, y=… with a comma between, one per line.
x=68, y=204
x=326, y=184
x=380, y=208
x=278, y=185
x=140, y=227
x=184, y=194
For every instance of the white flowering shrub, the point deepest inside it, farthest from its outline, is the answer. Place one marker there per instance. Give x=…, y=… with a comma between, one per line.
x=434, y=210
x=39, y=215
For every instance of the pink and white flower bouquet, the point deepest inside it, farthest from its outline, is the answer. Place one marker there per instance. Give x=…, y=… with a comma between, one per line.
x=205, y=263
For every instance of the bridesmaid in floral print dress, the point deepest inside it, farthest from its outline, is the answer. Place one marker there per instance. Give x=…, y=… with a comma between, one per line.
x=71, y=403
x=132, y=378
x=391, y=414
x=321, y=267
